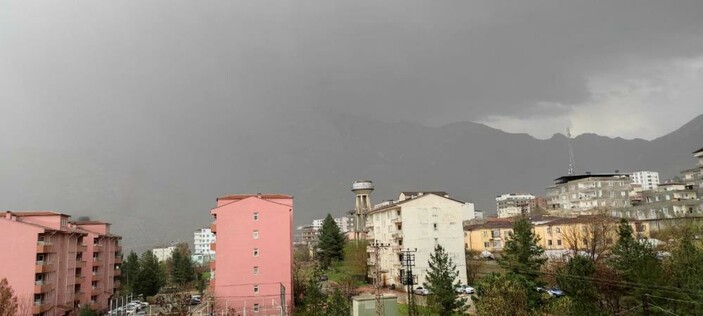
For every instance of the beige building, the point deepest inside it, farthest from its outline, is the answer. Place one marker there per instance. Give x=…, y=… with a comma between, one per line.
x=514, y=204
x=668, y=200
x=580, y=194
x=418, y=221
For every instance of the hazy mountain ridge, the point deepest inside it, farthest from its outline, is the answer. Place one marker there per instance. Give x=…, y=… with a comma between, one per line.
x=156, y=192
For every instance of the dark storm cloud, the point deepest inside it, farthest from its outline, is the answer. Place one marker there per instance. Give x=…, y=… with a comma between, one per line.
x=428, y=61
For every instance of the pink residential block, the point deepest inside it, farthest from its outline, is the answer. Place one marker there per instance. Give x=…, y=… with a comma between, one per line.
x=254, y=254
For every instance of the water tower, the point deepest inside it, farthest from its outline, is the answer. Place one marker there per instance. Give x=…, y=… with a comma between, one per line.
x=362, y=189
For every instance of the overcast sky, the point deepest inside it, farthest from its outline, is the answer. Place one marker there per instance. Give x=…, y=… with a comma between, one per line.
x=617, y=68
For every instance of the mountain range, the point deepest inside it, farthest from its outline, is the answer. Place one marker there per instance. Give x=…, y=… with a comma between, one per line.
x=159, y=188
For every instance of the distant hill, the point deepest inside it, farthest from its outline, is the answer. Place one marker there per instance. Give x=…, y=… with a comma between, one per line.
x=159, y=190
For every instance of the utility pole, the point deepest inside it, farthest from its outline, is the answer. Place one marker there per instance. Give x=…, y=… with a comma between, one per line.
x=409, y=279
x=377, y=247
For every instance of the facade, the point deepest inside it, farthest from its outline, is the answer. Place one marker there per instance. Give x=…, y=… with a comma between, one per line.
x=558, y=236
x=694, y=176
x=649, y=180
x=418, y=221
x=582, y=194
x=252, y=273
x=668, y=200
x=514, y=204
x=163, y=253
x=202, y=238
x=56, y=266
x=345, y=223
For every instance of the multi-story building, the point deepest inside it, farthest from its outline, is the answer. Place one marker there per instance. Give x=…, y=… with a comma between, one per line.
x=649, y=180
x=584, y=233
x=514, y=204
x=581, y=194
x=163, y=253
x=345, y=223
x=202, y=238
x=252, y=272
x=668, y=200
x=418, y=220
x=56, y=266
x=694, y=176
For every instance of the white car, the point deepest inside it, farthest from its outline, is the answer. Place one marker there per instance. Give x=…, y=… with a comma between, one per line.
x=469, y=290
x=422, y=291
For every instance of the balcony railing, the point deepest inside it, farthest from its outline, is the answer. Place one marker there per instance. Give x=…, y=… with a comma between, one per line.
x=41, y=306
x=44, y=267
x=41, y=287
x=82, y=248
x=45, y=247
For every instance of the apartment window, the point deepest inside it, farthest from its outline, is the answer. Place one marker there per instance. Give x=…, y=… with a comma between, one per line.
x=558, y=230
x=256, y=289
x=256, y=308
x=434, y=226
x=256, y=252
x=549, y=229
x=486, y=244
x=256, y=216
x=558, y=242
x=256, y=234
x=256, y=270
x=485, y=233
x=549, y=242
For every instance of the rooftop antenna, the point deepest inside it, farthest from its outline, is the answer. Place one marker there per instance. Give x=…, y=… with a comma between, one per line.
x=572, y=164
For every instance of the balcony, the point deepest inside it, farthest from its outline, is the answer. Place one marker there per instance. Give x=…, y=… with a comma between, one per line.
x=397, y=235
x=118, y=272
x=42, y=287
x=118, y=248
x=44, y=267
x=41, y=307
x=213, y=247
x=98, y=248
x=118, y=260
x=96, y=276
x=213, y=227
x=97, y=262
x=397, y=220
x=80, y=264
x=96, y=290
x=45, y=247
x=80, y=278
x=82, y=248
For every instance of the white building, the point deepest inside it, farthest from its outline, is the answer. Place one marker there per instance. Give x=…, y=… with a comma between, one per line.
x=163, y=253
x=202, y=238
x=418, y=220
x=514, y=204
x=649, y=180
x=346, y=224
x=583, y=193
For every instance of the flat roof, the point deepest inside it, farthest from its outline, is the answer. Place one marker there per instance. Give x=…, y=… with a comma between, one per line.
x=263, y=196
x=565, y=179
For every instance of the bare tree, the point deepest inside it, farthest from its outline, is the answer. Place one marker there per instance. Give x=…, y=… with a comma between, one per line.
x=593, y=234
x=8, y=300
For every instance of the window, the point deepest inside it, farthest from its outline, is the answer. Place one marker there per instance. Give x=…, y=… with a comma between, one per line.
x=485, y=233
x=256, y=252
x=486, y=244
x=558, y=230
x=434, y=226
x=256, y=289
x=549, y=242
x=558, y=242
x=256, y=216
x=256, y=270
x=256, y=234
x=256, y=308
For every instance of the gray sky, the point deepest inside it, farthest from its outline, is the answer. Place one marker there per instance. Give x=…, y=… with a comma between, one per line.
x=617, y=68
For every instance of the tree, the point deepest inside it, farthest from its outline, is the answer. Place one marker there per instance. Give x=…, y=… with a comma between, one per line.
x=331, y=245
x=575, y=279
x=686, y=271
x=8, y=300
x=355, y=257
x=595, y=238
x=337, y=304
x=441, y=281
x=182, y=270
x=315, y=300
x=86, y=311
x=151, y=275
x=473, y=265
x=522, y=254
x=523, y=257
x=130, y=271
x=501, y=295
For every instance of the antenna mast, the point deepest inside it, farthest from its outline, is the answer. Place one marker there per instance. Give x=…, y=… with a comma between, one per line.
x=572, y=164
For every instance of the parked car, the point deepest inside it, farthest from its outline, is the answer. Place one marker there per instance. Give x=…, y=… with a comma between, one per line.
x=460, y=289
x=324, y=277
x=469, y=290
x=487, y=255
x=422, y=291
x=555, y=292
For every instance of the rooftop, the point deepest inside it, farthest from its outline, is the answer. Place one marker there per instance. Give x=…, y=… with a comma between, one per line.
x=259, y=195
x=570, y=178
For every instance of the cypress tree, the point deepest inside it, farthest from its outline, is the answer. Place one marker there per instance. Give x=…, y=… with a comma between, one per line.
x=331, y=245
x=151, y=276
x=441, y=278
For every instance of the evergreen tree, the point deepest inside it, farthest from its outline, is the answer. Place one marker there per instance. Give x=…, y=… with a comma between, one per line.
x=636, y=262
x=8, y=300
x=315, y=300
x=441, y=281
x=151, y=276
x=523, y=257
x=575, y=280
x=337, y=305
x=502, y=295
x=87, y=311
x=331, y=245
x=686, y=268
x=130, y=271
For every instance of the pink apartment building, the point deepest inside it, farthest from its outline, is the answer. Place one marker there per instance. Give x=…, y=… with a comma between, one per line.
x=252, y=271
x=44, y=257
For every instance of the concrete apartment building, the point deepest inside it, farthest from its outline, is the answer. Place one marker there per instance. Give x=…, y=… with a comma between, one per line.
x=55, y=266
x=254, y=248
x=649, y=180
x=581, y=194
x=163, y=253
x=694, y=176
x=514, y=204
x=668, y=200
x=202, y=252
x=418, y=220
x=345, y=223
